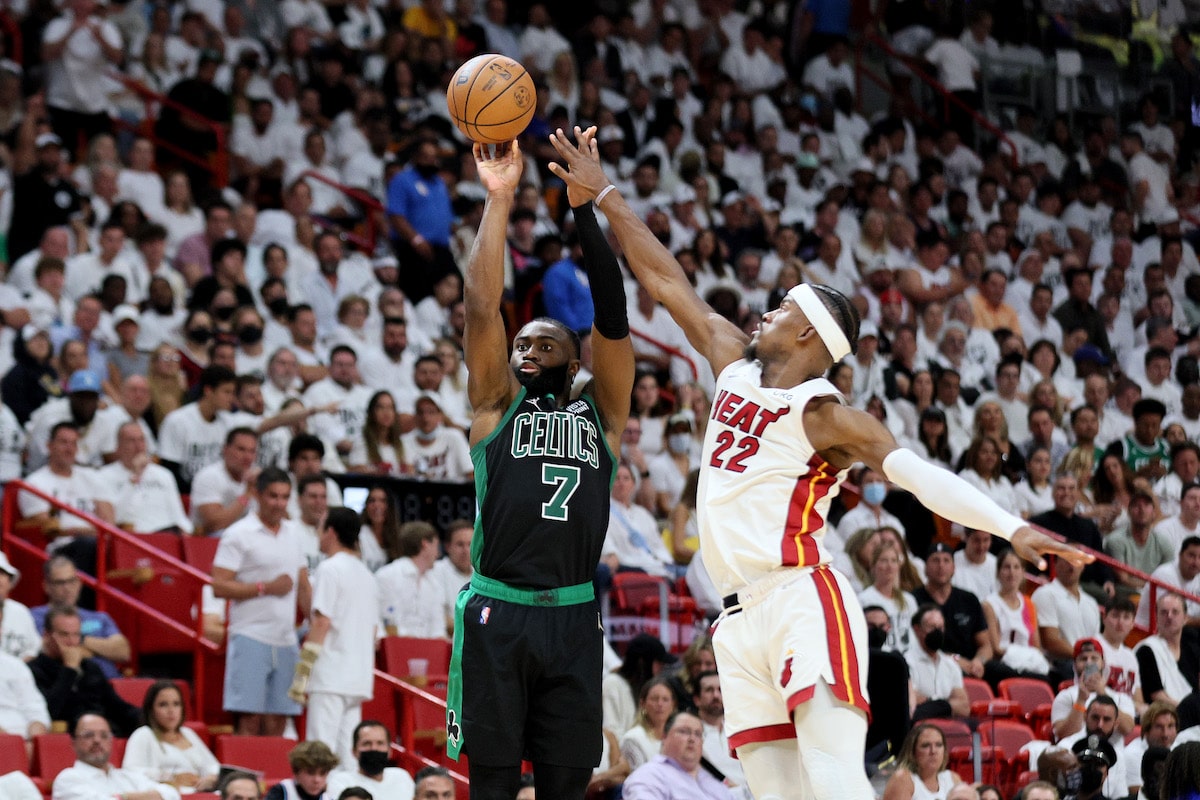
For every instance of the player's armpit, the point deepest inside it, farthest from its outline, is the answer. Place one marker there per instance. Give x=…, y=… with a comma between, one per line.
x=845, y=435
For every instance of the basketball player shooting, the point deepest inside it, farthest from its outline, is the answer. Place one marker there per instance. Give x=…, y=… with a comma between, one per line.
x=779, y=442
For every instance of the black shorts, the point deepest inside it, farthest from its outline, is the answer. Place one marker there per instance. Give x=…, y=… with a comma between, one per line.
x=531, y=683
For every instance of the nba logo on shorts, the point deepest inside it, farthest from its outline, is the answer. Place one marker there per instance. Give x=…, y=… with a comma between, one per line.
x=483, y=615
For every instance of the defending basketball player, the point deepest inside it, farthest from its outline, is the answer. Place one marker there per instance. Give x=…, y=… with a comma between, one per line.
x=791, y=644
x=525, y=674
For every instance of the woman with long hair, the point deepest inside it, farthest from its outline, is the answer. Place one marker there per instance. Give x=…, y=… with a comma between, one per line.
x=910, y=408
x=933, y=437
x=1035, y=493
x=646, y=406
x=872, y=249
x=983, y=469
x=168, y=385
x=644, y=659
x=711, y=266
x=656, y=704
x=886, y=593
x=1111, y=489
x=379, y=539
x=177, y=212
x=378, y=448
x=684, y=530
x=922, y=773
x=166, y=751
x=1012, y=620
x=990, y=421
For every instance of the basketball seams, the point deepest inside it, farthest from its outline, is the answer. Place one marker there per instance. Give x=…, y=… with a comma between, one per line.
x=511, y=84
x=468, y=120
x=470, y=86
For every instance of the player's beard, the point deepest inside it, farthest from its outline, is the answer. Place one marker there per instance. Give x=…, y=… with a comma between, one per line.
x=546, y=381
x=751, y=351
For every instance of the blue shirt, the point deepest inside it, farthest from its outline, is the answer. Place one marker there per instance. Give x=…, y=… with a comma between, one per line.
x=662, y=778
x=567, y=295
x=92, y=623
x=425, y=203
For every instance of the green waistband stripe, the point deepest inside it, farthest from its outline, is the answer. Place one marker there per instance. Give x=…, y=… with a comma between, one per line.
x=563, y=596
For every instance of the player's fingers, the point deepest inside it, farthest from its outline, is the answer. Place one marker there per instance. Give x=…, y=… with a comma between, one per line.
x=477, y=150
x=564, y=150
x=516, y=149
x=559, y=171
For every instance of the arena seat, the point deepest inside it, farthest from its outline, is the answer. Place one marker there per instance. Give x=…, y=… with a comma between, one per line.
x=397, y=650
x=266, y=754
x=992, y=761
x=133, y=691
x=199, y=551
x=52, y=753
x=13, y=757
x=126, y=556
x=957, y=732
x=1034, y=695
x=1006, y=733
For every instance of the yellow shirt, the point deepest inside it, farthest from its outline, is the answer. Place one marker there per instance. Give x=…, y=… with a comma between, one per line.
x=988, y=318
x=419, y=22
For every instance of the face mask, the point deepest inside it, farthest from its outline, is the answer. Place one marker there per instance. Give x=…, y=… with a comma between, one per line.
x=679, y=442
x=279, y=306
x=1091, y=777
x=250, y=334
x=426, y=171
x=935, y=639
x=551, y=380
x=1069, y=783
x=224, y=312
x=876, y=637
x=165, y=310
x=372, y=762
x=200, y=335
x=873, y=493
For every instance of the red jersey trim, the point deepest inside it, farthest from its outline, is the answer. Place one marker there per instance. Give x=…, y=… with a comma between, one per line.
x=799, y=548
x=767, y=733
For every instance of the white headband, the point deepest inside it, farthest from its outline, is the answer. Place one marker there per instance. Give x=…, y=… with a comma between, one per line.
x=830, y=332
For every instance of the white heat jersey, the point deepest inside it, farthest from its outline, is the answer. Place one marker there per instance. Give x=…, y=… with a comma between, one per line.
x=764, y=492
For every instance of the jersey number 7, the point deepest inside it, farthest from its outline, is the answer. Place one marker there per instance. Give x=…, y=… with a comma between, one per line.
x=566, y=479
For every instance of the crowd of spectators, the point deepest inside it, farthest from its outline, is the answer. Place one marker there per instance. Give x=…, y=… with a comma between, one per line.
x=247, y=279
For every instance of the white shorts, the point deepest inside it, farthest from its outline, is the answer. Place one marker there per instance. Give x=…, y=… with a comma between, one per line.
x=772, y=654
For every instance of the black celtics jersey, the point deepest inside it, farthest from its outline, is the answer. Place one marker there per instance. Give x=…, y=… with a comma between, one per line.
x=542, y=481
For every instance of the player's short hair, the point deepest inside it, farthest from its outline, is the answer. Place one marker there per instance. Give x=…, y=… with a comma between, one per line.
x=413, y=535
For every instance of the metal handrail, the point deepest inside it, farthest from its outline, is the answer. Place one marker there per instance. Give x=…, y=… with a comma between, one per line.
x=364, y=199
x=410, y=694
x=672, y=351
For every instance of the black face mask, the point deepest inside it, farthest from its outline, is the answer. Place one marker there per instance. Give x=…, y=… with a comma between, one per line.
x=224, y=312
x=200, y=335
x=426, y=171
x=935, y=639
x=279, y=306
x=372, y=762
x=165, y=309
x=1091, y=777
x=876, y=637
x=1069, y=783
x=250, y=334
x=550, y=380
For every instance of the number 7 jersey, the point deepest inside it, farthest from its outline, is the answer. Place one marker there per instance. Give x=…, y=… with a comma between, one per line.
x=542, y=484
x=764, y=492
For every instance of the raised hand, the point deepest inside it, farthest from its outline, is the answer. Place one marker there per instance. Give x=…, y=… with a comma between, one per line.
x=1031, y=545
x=502, y=174
x=583, y=174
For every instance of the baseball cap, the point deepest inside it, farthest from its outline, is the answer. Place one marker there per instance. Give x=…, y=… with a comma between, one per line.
x=731, y=197
x=7, y=567
x=892, y=295
x=431, y=398
x=864, y=164
x=83, y=380
x=47, y=139
x=686, y=416
x=124, y=313
x=1089, y=352
x=385, y=261
x=939, y=547
x=1141, y=491
x=868, y=328
x=649, y=648
x=610, y=133
x=1095, y=747
x=1088, y=645
x=31, y=330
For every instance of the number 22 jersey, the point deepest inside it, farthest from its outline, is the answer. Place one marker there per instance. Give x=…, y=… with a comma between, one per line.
x=764, y=493
x=542, y=483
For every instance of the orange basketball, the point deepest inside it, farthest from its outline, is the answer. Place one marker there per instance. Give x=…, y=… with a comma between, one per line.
x=491, y=99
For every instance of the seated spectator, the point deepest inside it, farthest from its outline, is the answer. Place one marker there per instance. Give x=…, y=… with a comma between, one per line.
x=710, y=707
x=240, y=785
x=1065, y=613
x=936, y=679
x=974, y=566
x=645, y=657
x=72, y=683
x=379, y=448
x=1097, y=578
x=888, y=686
x=434, y=783
x=192, y=436
x=966, y=631
x=923, y=758
x=454, y=570
x=18, y=632
x=78, y=487
x=307, y=455
x=1101, y=727
x=886, y=593
x=410, y=597
x=22, y=708
x=656, y=704
x=1012, y=626
x=166, y=750
x=1160, y=726
x=1138, y=544
x=1068, y=714
x=100, y=637
x=311, y=764
x=371, y=748
x=1170, y=659
x=93, y=774
x=633, y=541
x=379, y=540
x=869, y=513
x=1182, y=573
x=1186, y=523
x=434, y=450
x=1124, y=675
x=221, y=491
x=145, y=493
x=676, y=771
x=33, y=378
x=79, y=408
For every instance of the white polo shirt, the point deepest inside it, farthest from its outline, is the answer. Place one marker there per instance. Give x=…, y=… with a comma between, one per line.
x=253, y=553
x=344, y=590
x=1077, y=617
x=81, y=489
x=411, y=601
x=933, y=676
x=150, y=504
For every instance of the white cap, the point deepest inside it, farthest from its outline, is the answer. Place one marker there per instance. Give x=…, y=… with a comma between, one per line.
x=7, y=567
x=684, y=194
x=124, y=313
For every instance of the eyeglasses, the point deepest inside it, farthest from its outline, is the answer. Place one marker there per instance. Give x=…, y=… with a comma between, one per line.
x=63, y=581
x=169, y=358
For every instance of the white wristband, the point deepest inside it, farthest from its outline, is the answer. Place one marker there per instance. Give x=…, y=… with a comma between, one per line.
x=604, y=193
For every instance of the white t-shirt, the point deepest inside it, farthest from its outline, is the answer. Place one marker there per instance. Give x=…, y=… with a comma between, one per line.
x=1123, y=673
x=18, y=634
x=20, y=701
x=191, y=441
x=394, y=784
x=410, y=601
x=956, y=66
x=254, y=554
x=447, y=457
x=81, y=489
x=1168, y=573
x=1078, y=618
x=92, y=437
x=12, y=446
x=148, y=505
x=76, y=81
x=214, y=484
x=111, y=419
x=347, y=423
x=979, y=579
x=344, y=590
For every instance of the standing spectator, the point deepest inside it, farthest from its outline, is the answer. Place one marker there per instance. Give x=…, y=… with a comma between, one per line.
x=78, y=48
x=200, y=94
x=370, y=750
x=191, y=437
x=101, y=639
x=337, y=662
x=958, y=71
x=144, y=493
x=22, y=707
x=94, y=776
x=260, y=567
x=410, y=598
x=18, y=632
x=418, y=207
x=42, y=199
x=72, y=683
x=936, y=678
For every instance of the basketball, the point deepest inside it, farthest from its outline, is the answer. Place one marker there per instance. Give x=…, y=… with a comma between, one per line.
x=491, y=99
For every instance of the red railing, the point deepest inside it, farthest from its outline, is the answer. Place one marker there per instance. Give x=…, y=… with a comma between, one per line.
x=217, y=164
x=948, y=98
x=673, y=351
x=370, y=204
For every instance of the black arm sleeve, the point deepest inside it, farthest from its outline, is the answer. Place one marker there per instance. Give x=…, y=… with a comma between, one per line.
x=604, y=276
x=1151, y=680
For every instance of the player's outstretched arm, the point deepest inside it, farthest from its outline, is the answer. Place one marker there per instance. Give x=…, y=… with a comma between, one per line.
x=712, y=335
x=846, y=435
x=491, y=384
x=612, y=351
